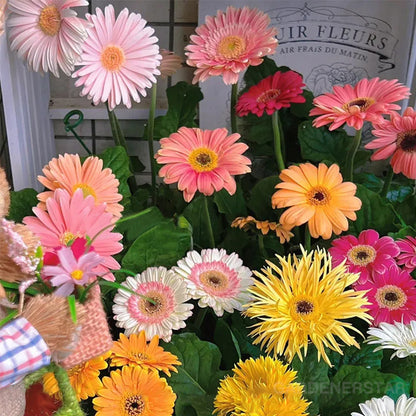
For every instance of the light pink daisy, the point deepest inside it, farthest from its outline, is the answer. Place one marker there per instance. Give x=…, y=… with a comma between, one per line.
x=159, y=311
x=230, y=42
x=170, y=63
x=407, y=256
x=392, y=296
x=397, y=138
x=202, y=160
x=368, y=100
x=71, y=217
x=119, y=58
x=219, y=280
x=366, y=254
x=271, y=94
x=47, y=33
x=72, y=271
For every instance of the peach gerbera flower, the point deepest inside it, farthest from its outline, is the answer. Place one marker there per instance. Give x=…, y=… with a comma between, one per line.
x=66, y=172
x=119, y=58
x=317, y=196
x=47, y=33
x=202, y=160
x=137, y=352
x=170, y=63
x=230, y=42
x=368, y=100
x=397, y=138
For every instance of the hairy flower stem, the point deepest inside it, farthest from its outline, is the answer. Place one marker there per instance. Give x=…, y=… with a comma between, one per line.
x=387, y=182
x=150, y=133
x=209, y=224
x=277, y=141
x=233, y=115
x=356, y=141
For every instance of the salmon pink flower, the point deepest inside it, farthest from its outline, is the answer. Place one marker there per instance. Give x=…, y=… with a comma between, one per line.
x=119, y=58
x=365, y=254
x=407, y=256
x=271, y=94
x=397, y=138
x=230, y=42
x=368, y=100
x=170, y=63
x=202, y=160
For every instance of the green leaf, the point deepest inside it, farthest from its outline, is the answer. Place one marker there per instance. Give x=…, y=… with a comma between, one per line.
x=21, y=204
x=403, y=233
x=403, y=367
x=301, y=110
x=227, y=343
x=255, y=74
x=369, y=180
x=399, y=193
x=232, y=206
x=240, y=328
x=406, y=210
x=198, y=377
x=72, y=308
x=260, y=201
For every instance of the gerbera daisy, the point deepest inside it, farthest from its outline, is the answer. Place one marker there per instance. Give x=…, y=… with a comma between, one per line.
x=262, y=387
x=271, y=94
x=47, y=33
x=161, y=308
x=71, y=217
x=318, y=196
x=170, y=63
x=202, y=160
x=307, y=301
x=84, y=379
x=385, y=406
x=397, y=138
x=392, y=296
x=136, y=392
x=368, y=100
x=68, y=173
x=407, y=256
x=136, y=351
x=397, y=336
x=230, y=42
x=365, y=254
x=119, y=58
x=243, y=223
x=3, y=4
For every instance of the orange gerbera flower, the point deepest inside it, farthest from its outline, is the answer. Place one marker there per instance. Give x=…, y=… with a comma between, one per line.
x=67, y=172
x=133, y=391
x=243, y=222
x=317, y=196
x=135, y=351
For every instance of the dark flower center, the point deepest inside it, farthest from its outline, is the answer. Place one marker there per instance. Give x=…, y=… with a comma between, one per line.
x=391, y=297
x=304, y=307
x=203, y=159
x=134, y=405
x=407, y=141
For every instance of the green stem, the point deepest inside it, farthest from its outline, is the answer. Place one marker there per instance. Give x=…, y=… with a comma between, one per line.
x=277, y=141
x=200, y=317
x=233, y=115
x=150, y=131
x=356, y=141
x=387, y=182
x=209, y=224
x=307, y=238
x=262, y=249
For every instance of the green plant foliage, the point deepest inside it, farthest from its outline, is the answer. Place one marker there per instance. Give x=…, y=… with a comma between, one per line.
x=21, y=204
x=260, y=200
x=232, y=206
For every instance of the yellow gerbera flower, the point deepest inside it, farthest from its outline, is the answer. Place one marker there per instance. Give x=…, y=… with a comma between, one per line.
x=135, y=351
x=305, y=302
x=260, y=387
x=133, y=391
x=84, y=379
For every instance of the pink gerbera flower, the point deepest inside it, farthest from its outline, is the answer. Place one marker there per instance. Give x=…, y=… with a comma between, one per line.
x=397, y=137
x=119, y=58
x=68, y=218
x=68, y=173
x=366, y=254
x=202, y=160
x=407, y=256
x=47, y=33
x=170, y=63
x=392, y=296
x=271, y=94
x=230, y=42
x=367, y=101
x=72, y=271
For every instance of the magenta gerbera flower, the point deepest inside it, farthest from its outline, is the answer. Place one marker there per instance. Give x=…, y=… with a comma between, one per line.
x=230, y=42
x=68, y=218
x=366, y=254
x=202, y=160
x=271, y=94
x=407, y=256
x=392, y=296
x=119, y=58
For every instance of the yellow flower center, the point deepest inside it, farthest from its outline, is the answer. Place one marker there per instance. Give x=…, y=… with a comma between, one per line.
x=203, y=159
x=412, y=343
x=361, y=255
x=361, y=103
x=154, y=305
x=77, y=274
x=268, y=95
x=139, y=356
x=407, y=141
x=214, y=279
x=231, y=47
x=50, y=20
x=391, y=297
x=76, y=370
x=112, y=58
x=86, y=189
x=133, y=405
x=318, y=195
x=67, y=237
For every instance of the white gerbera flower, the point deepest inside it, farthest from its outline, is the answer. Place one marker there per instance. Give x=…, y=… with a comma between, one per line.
x=385, y=406
x=159, y=311
x=217, y=279
x=397, y=336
